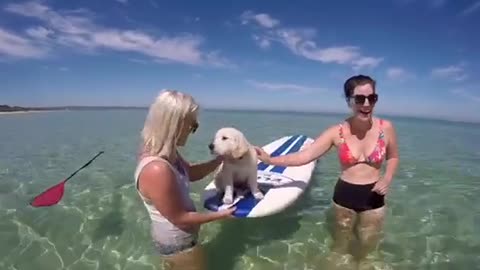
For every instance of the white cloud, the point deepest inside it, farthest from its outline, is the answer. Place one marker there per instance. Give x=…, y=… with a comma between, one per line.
x=261, y=19
x=214, y=58
x=283, y=87
x=452, y=72
x=182, y=49
x=78, y=30
x=300, y=41
x=39, y=32
x=262, y=42
x=122, y=1
x=366, y=62
x=16, y=46
x=398, y=73
x=471, y=9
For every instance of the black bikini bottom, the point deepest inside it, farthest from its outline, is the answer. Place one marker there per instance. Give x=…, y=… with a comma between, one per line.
x=357, y=197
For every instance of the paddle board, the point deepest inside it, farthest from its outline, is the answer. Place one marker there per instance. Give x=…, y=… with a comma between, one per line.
x=280, y=185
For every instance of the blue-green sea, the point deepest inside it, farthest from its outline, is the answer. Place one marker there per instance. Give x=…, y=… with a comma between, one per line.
x=433, y=219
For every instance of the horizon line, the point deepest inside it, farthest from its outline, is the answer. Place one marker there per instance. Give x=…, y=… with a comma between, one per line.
x=208, y=108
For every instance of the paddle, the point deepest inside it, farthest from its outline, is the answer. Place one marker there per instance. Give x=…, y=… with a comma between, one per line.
x=54, y=194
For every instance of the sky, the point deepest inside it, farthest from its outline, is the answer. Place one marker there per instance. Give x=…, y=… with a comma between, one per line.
x=424, y=54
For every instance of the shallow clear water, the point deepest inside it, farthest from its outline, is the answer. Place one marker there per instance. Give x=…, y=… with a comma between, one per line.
x=433, y=219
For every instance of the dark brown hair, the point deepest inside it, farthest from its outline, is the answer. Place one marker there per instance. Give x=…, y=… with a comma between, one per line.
x=355, y=81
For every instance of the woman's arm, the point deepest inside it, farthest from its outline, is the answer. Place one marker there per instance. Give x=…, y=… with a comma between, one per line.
x=159, y=185
x=200, y=170
x=320, y=146
x=392, y=152
x=382, y=186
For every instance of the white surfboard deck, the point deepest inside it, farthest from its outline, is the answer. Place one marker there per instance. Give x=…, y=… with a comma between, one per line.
x=281, y=186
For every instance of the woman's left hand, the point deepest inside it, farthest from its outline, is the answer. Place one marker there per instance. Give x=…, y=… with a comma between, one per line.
x=262, y=155
x=381, y=187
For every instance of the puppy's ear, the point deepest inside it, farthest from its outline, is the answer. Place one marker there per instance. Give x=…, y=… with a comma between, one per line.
x=241, y=147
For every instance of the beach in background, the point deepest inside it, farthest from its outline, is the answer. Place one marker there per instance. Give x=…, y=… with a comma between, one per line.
x=433, y=219
x=22, y=112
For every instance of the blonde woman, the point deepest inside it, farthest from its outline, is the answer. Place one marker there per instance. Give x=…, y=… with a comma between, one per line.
x=162, y=179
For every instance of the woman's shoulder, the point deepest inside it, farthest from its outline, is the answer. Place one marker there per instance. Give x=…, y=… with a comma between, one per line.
x=338, y=124
x=154, y=176
x=385, y=123
x=387, y=128
x=153, y=166
x=332, y=131
x=337, y=127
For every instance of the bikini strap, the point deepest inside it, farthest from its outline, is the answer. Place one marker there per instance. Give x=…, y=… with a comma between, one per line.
x=381, y=129
x=340, y=132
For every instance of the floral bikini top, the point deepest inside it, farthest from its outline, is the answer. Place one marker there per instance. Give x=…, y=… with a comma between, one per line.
x=345, y=155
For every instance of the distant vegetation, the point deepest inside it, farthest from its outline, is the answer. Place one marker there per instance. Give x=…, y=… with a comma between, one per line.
x=7, y=108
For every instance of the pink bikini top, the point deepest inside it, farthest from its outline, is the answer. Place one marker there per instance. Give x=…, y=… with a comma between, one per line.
x=345, y=155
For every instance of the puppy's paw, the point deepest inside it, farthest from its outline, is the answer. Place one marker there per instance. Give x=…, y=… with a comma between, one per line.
x=227, y=199
x=258, y=195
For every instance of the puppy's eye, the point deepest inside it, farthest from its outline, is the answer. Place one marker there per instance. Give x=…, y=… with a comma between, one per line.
x=224, y=138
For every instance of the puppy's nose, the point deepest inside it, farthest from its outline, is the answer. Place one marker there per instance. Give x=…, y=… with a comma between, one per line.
x=210, y=146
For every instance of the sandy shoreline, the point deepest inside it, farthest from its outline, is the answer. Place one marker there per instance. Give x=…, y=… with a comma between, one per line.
x=22, y=112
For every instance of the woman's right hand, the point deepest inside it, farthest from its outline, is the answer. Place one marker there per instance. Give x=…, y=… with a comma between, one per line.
x=262, y=155
x=227, y=213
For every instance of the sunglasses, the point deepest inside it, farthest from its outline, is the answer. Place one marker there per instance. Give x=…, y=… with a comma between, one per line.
x=360, y=99
x=194, y=127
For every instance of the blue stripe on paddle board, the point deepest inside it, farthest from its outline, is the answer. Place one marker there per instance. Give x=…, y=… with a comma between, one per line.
x=245, y=206
x=262, y=166
x=295, y=148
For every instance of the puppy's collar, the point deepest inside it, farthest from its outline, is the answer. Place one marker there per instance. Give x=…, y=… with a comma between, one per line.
x=239, y=158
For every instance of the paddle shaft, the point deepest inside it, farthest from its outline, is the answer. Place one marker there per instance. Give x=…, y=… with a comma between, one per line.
x=85, y=165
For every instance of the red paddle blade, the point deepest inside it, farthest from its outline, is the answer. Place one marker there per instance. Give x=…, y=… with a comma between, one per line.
x=50, y=196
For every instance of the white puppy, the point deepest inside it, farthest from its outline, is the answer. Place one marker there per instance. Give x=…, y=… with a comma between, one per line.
x=239, y=165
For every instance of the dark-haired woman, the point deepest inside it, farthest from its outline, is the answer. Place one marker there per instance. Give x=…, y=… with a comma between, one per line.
x=364, y=143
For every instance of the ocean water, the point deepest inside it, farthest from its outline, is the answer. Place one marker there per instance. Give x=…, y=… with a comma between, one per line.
x=433, y=218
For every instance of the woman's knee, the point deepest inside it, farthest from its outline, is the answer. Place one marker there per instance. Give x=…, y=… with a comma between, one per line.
x=369, y=235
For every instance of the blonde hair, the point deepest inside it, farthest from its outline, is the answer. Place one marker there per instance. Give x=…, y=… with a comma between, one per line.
x=165, y=121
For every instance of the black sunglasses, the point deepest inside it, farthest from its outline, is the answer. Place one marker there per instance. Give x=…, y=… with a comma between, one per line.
x=360, y=99
x=194, y=127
